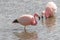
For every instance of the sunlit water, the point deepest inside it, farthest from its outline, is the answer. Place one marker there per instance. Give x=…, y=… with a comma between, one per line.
x=46, y=29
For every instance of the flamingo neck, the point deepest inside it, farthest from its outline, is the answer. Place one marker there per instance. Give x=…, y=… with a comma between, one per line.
x=35, y=21
x=35, y=15
x=47, y=12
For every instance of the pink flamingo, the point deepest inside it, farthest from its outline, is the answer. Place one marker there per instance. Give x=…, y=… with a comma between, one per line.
x=50, y=10
x=26, y=20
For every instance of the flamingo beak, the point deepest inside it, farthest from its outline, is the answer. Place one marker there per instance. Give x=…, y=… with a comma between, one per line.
x=36, y=14
x=39, y=18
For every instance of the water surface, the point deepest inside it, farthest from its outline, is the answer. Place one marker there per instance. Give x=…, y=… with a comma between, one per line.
x=48, y=29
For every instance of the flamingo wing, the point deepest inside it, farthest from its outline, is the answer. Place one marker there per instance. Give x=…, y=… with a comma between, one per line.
x=25, y=20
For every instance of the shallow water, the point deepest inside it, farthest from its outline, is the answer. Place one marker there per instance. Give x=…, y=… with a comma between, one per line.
x=48, y=29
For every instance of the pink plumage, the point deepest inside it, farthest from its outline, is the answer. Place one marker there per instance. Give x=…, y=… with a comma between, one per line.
x=50, y=10
x=26, y=19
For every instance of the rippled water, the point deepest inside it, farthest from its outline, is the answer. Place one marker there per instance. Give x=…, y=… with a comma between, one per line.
x=46, y=29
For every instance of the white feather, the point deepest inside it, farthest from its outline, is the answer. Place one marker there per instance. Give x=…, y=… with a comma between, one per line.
x=52, y=5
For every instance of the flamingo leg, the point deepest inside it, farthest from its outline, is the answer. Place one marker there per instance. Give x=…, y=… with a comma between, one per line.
x=25, y=29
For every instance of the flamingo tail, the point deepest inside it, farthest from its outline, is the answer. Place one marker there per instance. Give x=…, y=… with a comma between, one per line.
x=15, y=21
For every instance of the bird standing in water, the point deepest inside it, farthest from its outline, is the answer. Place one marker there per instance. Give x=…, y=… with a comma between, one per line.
x=50, y=10
x=26, y=20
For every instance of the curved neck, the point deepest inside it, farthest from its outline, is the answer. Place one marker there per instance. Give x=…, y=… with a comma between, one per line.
x=35, y=21
x=35, y=15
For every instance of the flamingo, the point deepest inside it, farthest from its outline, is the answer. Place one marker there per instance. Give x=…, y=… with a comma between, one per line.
x=50, y=10
x=26, y=20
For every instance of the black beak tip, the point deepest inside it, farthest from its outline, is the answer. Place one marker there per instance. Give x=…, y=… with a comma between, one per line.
x=39, y=18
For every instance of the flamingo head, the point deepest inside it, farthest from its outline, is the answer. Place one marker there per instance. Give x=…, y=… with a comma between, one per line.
x=36, y=15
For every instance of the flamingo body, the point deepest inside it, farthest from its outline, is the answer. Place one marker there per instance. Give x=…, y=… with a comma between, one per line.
x=50, y=10
x=27, y=20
